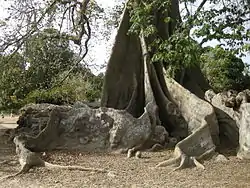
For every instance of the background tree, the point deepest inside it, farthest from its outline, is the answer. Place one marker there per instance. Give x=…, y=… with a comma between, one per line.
x=169, y=35
x=48, y=54
x=33, y=76
x=51, y=61
x=78, y=86
x=224, y=70
x=12, y=81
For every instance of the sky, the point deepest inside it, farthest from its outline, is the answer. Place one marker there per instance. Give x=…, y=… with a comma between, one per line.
x=100, y=51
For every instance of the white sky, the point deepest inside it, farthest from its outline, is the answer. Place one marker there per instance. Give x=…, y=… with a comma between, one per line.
x=107, y=2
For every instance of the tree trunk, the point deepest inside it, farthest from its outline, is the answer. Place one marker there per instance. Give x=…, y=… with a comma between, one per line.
x=182, y=113
x=125, y=72
x=193, y=80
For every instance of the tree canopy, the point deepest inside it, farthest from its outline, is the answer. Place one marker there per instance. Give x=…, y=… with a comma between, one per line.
x=224, y=70
x=33, y=74
x=54, y=37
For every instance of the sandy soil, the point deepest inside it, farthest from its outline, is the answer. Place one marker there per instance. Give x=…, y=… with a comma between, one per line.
x=8, y=122
x=127, y=172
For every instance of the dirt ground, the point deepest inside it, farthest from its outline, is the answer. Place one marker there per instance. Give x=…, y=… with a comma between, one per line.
x=126, y=172
x=8, y=122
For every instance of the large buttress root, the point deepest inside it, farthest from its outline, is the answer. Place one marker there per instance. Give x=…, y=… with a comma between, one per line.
x=180, y=161
x=168, y=115
x=126, y=51
x=199, y=140
x=202, y=127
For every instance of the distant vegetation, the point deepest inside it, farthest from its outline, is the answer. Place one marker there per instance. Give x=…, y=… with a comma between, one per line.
x=224, y=70
x=34, y=75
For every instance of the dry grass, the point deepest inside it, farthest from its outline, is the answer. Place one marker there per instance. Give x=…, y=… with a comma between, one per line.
x=128, y=172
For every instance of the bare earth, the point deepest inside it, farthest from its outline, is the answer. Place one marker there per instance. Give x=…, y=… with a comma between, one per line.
x=8, y=122
x=127, y=172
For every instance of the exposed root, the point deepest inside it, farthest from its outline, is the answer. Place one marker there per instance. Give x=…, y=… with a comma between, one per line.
x=138, y=155
x=26, y=168
x=134, y=151
x=23, y=170
x=169, y=162
x=188, y=161
x=181, y=161
x=80, y=168
x=130, y=153
x=197, y=163
x=29, y=159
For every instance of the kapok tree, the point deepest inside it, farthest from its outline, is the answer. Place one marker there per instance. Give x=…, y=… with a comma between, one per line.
x=153, y=42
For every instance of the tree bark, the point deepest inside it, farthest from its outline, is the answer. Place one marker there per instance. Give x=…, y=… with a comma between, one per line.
x=125, y=71
x=171, y=107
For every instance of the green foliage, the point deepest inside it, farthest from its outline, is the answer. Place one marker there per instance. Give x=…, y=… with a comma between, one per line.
x=75, y=88
x=142, y=16
x=224, y=70
x=228, y=22
x=176, y=48
x=12, y=76
x=48, y=54
x=57, y=96
x=46, y=60
x=177, y=51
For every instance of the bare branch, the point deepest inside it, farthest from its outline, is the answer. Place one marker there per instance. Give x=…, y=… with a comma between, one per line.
x=199, y=8
x=85, y=45
x=22, y=39
x=188, y=13
x=241, y=21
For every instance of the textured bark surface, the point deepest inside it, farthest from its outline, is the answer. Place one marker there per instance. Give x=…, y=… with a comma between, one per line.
x=169, y=113
x=232, y=109
x=49, y=127
x=244, y=132
x=202, y=127
x=125, y=71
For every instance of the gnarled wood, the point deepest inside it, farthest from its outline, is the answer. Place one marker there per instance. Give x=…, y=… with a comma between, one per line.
x=232, y=109
x=170, y=118
x=28, y=160
x=202, y=125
